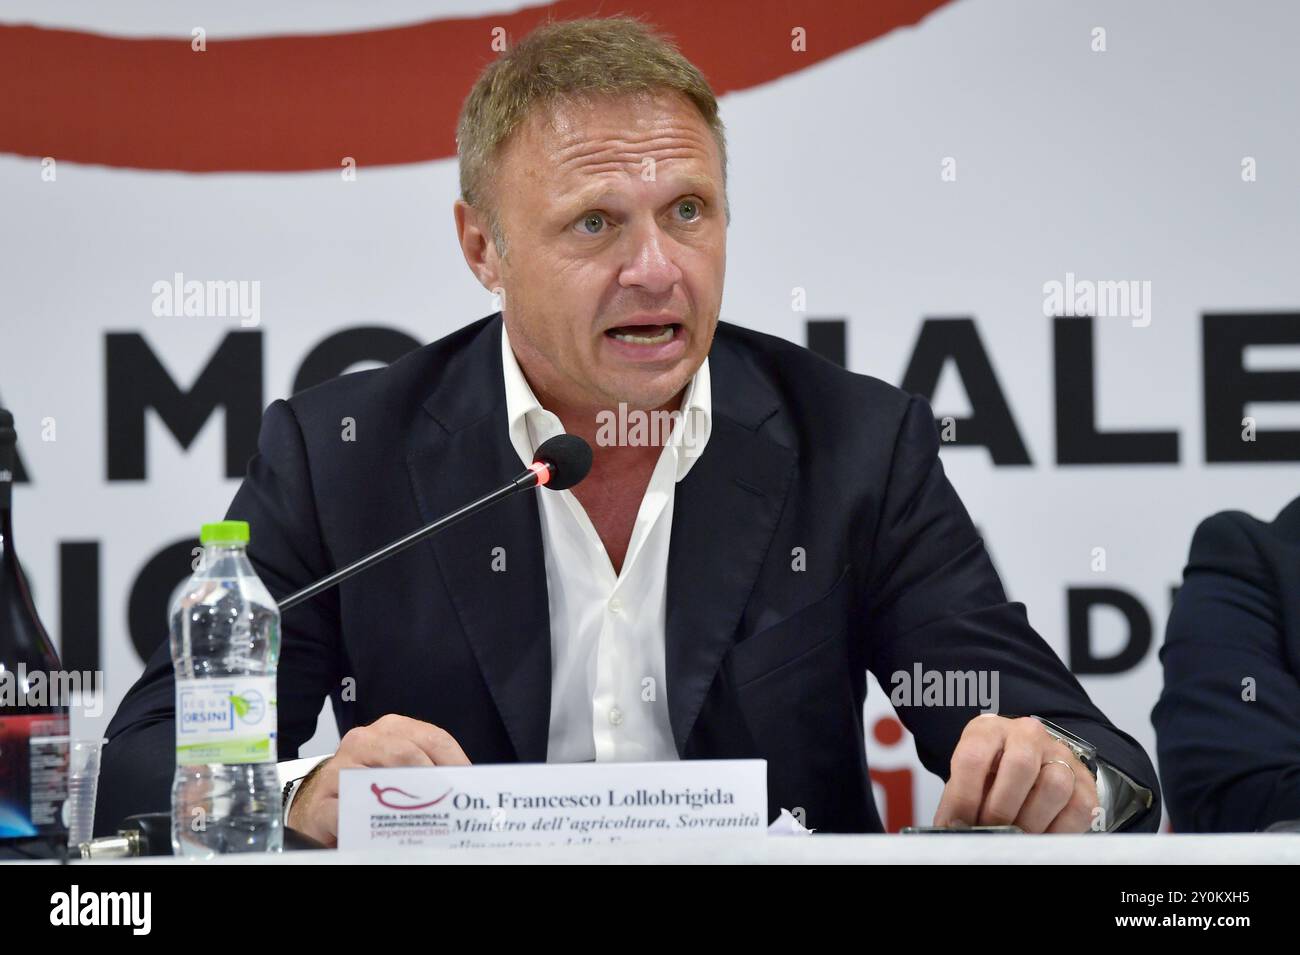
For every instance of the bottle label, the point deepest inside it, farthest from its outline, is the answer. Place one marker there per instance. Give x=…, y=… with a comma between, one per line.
x=33, y=775
x=225, y=720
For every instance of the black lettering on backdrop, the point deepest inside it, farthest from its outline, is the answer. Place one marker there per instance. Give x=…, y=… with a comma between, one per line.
x=340, y=351
x=137, y=381
x=1229, y=387
x=991, y=424
x=1077, y=439
x=146, y=608
x=1079, y=603
x=79, y=605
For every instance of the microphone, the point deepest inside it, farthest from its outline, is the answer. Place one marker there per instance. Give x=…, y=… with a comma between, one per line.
x=559, y=464
x=565, y=459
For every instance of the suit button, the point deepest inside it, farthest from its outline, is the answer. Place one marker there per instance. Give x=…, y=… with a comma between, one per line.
x=615, y=716
x=615, y=605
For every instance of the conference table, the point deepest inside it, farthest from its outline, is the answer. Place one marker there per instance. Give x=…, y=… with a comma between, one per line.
x=1106, y=850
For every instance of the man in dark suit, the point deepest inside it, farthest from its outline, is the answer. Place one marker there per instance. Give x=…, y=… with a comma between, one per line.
x=718, y=590
x=1228, y=720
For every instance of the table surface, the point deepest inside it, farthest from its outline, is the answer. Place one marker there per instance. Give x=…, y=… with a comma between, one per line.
x=1237, y=849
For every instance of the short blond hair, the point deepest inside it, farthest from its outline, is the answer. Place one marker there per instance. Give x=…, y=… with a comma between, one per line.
x=569, y=59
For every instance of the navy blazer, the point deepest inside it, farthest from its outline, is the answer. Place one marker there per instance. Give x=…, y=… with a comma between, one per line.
x=765, y=657
x=1228, y=719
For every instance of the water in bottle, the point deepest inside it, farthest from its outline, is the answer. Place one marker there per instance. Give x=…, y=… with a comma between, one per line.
x=225, y=643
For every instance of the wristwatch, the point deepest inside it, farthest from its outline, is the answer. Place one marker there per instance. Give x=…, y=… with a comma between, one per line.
x=1084, y=751
x=1121, y=798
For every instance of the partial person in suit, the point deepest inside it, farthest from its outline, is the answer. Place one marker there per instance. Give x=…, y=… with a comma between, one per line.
x=1228, y=719
x=717, y=588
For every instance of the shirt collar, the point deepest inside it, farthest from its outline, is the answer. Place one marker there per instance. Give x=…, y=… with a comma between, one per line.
x=530, y=424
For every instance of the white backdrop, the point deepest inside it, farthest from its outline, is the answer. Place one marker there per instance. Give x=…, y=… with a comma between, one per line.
x=1119, y=165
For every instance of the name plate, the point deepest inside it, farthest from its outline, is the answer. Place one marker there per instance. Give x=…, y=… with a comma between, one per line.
x=548, y=804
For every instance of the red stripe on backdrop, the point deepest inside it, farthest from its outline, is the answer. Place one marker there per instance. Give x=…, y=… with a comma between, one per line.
x=382, y=96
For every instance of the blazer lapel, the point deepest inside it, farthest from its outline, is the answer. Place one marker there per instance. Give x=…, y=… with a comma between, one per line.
x=724, y=515
x=504, y=613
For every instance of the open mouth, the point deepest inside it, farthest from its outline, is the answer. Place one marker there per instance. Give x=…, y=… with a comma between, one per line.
x=644, y=334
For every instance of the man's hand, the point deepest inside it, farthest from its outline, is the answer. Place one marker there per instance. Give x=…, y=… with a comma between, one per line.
x=391, y=740
x=1004, y=772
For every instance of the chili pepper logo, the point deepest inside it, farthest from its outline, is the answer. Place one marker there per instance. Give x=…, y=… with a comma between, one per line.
x=381, y=791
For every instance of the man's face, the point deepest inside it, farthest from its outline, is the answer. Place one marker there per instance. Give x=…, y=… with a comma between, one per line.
x=615, y=233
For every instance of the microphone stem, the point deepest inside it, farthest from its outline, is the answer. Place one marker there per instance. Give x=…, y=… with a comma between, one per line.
x=526, y=480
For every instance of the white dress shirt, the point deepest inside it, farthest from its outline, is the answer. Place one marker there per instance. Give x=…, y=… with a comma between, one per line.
x=609, y=694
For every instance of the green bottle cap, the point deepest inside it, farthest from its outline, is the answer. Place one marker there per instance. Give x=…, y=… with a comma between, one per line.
x=224, y=532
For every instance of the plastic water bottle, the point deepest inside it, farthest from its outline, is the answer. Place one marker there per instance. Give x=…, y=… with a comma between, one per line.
x=225, y=643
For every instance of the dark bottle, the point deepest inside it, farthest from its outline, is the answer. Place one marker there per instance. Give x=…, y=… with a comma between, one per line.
x=33, y=712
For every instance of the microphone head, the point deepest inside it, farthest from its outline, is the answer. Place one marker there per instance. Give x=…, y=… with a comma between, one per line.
x=568, y=457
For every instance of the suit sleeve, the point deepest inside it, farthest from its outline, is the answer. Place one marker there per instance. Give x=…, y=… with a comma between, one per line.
x=936, y=604
x=288, y=551
x=1226, y=722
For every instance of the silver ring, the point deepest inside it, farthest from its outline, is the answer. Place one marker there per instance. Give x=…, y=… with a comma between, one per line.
x=1063, y=763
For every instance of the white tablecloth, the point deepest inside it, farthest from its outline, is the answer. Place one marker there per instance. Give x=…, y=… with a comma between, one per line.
x=816, y=849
